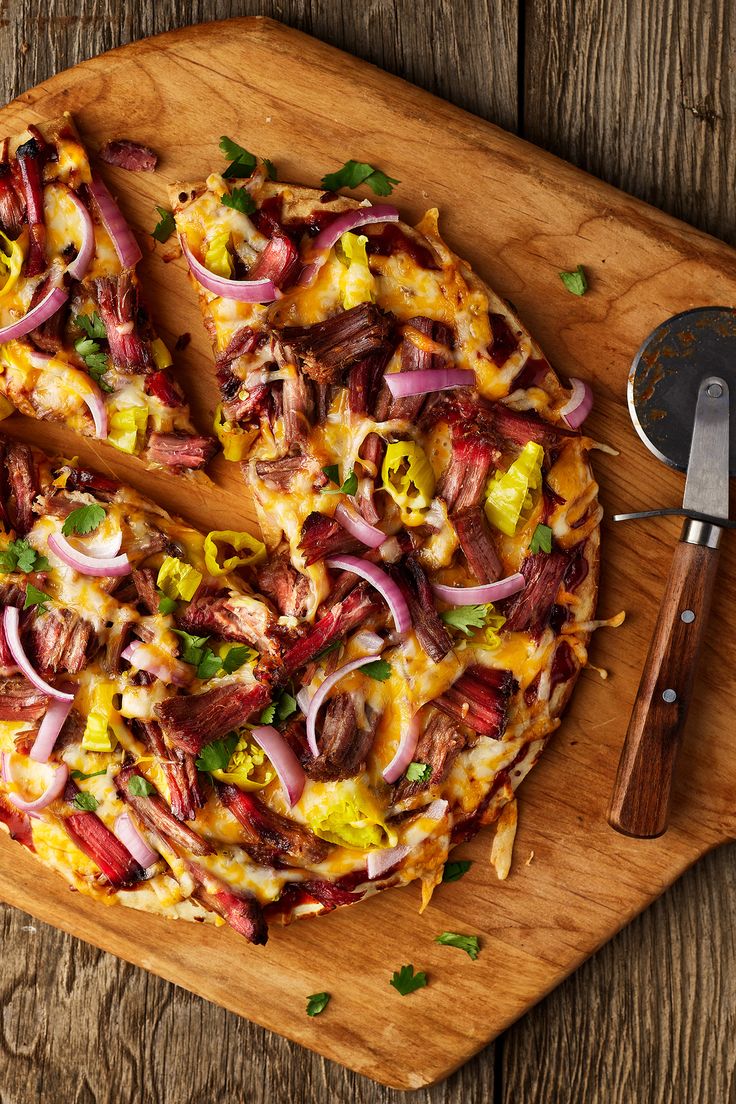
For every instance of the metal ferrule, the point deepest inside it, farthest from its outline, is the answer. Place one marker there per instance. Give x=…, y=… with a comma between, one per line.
x=701, y=532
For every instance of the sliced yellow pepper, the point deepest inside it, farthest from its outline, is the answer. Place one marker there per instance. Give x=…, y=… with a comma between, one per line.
x=234, y=440
x=127, y=428
x=178, y=579
x=104, y=724
x=350, y=816
x=409, y=479
x=161, y=354
x=255, y=550
x=244, y=762
x=217, y=258
x=509, y=492
x=11, y=262
x=357, y=283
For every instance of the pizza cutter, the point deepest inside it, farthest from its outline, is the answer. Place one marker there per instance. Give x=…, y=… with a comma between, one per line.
x=682, y=387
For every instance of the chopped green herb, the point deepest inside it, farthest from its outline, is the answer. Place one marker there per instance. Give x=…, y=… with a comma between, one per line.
x=36, y=597
x=140, y=786
x=332, y=472
x=240, y=200
x=355, y=173
x=270, y=168
x=242, y=160
x=163, y=229
x=380, y=670
x=541, y=539
x=236, y=657
x=575, y=282
x=468, y=943
x=317, y=1003
x=466, y=618
x=279, y=709
x=87, y=802
x=268, y=715
x=165, y=604
x=97, y=362
x=217, y=755
x=192, y=647
x=80, y=776
x=84, y=520
x=406, y=981
x=208, y=665
x=20, y=556
x=92, y=325
x=418, y=772
x=330, y=648
x=454, y=871
x=349, y=487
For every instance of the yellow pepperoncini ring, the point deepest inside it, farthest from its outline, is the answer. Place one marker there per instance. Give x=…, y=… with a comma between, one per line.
x=104, y=725
x=350, y=816
x=161, y=355
x=246, y=760
x=217, y=258
x=11, y=262
x=255, y=550
x=357, y=283
x=127, y=428
x=178, y=579
x=509, y=492
x=234, y=440
x=409, y=479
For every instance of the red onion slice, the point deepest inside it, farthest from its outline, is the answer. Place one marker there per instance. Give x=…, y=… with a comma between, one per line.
x=579, y=405
x=5, y=766
x=48, y=306
x=321, y=694
x=80, y=264
x=403, y=384
x=101, y=566
x=348, y=220
x=11, y=624
x=359, y=528
x=436, y=810
x=54, y=789
x=96, y=404
x=129, y=835
x=102, y=546
x=488, y=592
x=168, y=670
x=126, y=247
x=48, y=733
x=246, y=291
x=385, y=586
x=404, y=752
x=379, y=862
x=287, y=766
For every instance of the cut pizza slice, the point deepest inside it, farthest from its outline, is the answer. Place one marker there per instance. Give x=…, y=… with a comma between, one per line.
x=76, y=342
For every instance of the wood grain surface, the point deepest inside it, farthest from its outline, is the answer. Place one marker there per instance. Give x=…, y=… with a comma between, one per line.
x=651, y=1017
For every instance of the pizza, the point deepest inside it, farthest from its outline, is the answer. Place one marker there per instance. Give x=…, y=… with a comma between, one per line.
x=77, y=344
x=211, y=726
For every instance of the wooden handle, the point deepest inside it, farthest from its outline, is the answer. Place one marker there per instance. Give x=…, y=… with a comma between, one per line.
x=641, y=793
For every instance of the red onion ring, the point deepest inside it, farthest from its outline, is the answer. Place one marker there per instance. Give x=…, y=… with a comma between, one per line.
x=48, y=306
x=321, y=694
x=97, y=409
x=358, y=527
x=129, y=835
x=287, y=766
x=101, y=547
x=436, y=810
x=404, y=752
x=101, y=566
x=381, y=861
x=348, y=220
x=80, y=264
x=48, y=733
x=54, y=789
x=403, y=384
x=245, y=291
x=169, y=670
x=5, y=766
x=11, y=624
x=126, y=247
x=385, y=586
x=488, y=592
x=579, y=405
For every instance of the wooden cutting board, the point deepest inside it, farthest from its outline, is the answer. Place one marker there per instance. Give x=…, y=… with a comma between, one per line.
x=519, y=215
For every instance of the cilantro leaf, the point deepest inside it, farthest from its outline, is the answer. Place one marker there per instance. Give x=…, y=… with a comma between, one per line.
x=236, y=657
x=575, y=281
x=332, y=472
x=465, y=618
x=349, y=487
x=268, y=715
x=406, y=981
x=468, y=943
x=380, y=670
x=165, y=227
x=418, y=772
x=92, y=325
x=242, y=160
x=240, y=200
x=286, y=706
x=87, y=802
x=217, y=755
x=541, y=539
x=270, y=168
x=97, y=362
x=165, y=604
x=317, y=1003
x=355, y=173
x=36, y=597
x=192, y=647
x=21, y=556
x=80, y=776
x=454, y=871
x=140, y=786
x=208, y=665
x=84, y=520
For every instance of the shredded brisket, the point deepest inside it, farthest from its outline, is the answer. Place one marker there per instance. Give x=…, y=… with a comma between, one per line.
x=61, y=640
x=329, y=348
x=133, y=156
x=23, y=486
x=431, y=630
x=341, y=619
x=181, y=450
x=268, y=831
x=238, y=617
x=20, y=701
x=117, y=299
x=476, y=541
x=190, y=722
x=437, y=747
x=156, y=814
x=480, y=699
x=324, y=536
x=285, y=586
x=343, y=747
x=242, y=913
x=30, y=158
x=529, y=610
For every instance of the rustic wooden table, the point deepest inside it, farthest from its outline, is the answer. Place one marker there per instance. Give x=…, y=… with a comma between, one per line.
x=643, y=95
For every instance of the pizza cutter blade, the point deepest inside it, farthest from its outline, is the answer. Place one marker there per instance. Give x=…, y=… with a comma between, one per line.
x=682, y=388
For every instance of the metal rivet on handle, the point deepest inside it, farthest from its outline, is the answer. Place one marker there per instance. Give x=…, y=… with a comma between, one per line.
x=688, y=616
x=669, y=696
